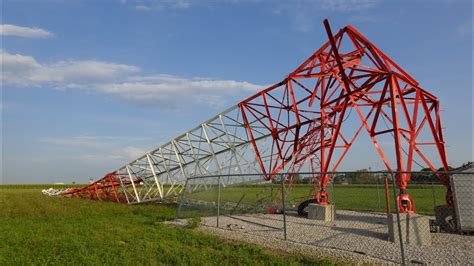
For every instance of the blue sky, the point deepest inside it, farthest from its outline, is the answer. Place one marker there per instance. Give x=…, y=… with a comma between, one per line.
x=89, y=85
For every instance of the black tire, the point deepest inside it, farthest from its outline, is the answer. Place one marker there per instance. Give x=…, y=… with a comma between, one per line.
x=302, y=207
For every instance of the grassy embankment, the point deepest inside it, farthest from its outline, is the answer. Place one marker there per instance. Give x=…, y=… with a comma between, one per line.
x=35, y=229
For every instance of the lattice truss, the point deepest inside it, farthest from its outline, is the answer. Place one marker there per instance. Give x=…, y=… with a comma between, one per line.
x=309, y=119
x=220, y=145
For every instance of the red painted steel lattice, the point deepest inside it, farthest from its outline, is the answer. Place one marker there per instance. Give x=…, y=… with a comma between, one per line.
x=305, y=112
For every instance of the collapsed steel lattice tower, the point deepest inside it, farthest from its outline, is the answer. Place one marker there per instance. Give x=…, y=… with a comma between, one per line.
x=300, y=121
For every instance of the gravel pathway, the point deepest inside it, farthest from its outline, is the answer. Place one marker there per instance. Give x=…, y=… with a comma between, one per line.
x=290, y=247
x=354, y=236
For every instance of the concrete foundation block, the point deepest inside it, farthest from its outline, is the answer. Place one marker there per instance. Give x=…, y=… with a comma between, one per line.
x=321, y=212
x=418, y=229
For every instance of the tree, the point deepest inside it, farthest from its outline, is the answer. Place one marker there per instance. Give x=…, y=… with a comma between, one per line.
x=362, y=176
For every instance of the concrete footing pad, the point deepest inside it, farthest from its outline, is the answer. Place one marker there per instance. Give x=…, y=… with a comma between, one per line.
x=321, y=212
x=415, y=229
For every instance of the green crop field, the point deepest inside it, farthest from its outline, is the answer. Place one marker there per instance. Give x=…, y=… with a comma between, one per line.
x=36, y=229
x=344, y=197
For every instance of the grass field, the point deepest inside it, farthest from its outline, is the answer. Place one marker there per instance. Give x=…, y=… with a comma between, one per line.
x=35, y=229
x=345, y=197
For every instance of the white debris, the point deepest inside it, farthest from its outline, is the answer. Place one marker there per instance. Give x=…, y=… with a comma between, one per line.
x=52, y=191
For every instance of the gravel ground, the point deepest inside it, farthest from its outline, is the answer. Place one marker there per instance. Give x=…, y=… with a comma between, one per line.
x=355, y=236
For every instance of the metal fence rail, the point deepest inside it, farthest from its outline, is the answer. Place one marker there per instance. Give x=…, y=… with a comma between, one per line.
x=362, y=216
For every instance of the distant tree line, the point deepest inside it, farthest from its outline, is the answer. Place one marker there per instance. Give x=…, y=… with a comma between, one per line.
x=361, y=176
x=365, y=176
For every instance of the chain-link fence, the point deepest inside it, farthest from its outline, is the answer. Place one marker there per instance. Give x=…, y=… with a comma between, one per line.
x=366, y=212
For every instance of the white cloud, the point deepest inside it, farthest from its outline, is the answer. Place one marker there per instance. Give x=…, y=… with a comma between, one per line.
x=362, y=18
x=13, y=30
x=100, y=149
x=17, y=60
x=26, y=71
x=123, y=81
x=76, y=141
x=81, y=71
x=142, y=8
x=158, y=5
x=131, y=152
x=116, y=155
x=346, y=5
x=465, y=28
x=181, y=4
x=161, y=5
x=168, y=91
x=91, y=141
x=303, y=13
x=99, y=158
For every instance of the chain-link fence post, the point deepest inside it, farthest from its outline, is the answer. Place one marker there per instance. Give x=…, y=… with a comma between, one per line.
x=333, y=199
x=434, y=194
x=178, y=210
x=283, y=205
x=378, y=193
x=218, y=200
x=387, y=196
x=402, y=245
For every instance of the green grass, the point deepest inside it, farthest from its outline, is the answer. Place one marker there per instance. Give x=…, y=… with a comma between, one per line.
x=40, y=186
x=35, y=229
x=345, y=197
